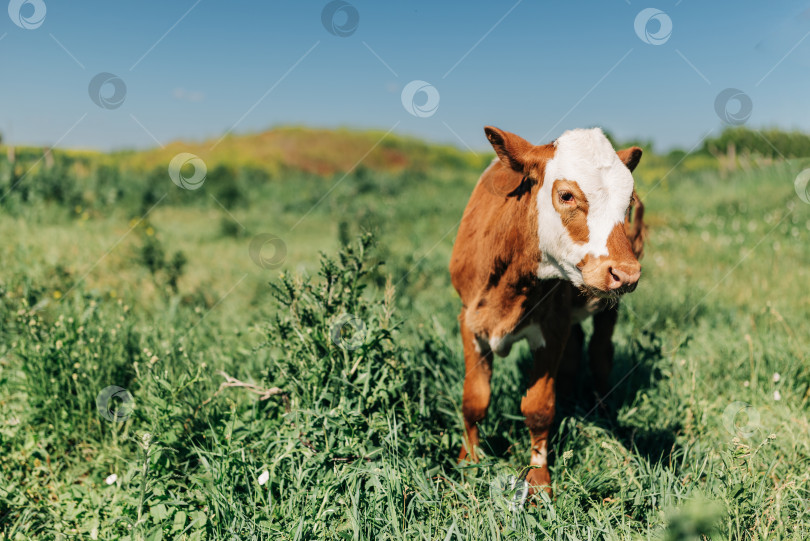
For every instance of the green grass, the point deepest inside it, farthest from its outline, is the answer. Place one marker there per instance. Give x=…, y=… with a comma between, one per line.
x=361, y=429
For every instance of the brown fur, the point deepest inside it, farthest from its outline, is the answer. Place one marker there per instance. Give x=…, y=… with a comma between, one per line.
x=494, y=270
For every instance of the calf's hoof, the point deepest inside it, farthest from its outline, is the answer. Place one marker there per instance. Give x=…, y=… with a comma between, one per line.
x=539, y=479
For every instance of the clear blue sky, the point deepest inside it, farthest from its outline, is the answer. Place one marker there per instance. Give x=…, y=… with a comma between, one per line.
x=536, y=72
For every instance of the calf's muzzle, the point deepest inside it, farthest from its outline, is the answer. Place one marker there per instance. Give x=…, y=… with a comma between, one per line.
x=617, y=272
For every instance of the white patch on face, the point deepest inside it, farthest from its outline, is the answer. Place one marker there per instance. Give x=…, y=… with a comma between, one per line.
x=540, y=456
x=587, y=158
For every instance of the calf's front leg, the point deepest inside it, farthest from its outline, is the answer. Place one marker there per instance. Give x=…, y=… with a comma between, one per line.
x=475, y=401
x=569, y=365
x=538, y=406
x=600, y=349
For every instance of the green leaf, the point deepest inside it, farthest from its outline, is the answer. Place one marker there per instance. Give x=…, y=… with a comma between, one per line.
x=179, y=521
x=159, y=512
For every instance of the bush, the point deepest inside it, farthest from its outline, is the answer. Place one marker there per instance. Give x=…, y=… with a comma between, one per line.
x=152, y=255
x=349, y=377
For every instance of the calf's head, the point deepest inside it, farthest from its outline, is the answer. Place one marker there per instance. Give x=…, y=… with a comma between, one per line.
x=584, y=191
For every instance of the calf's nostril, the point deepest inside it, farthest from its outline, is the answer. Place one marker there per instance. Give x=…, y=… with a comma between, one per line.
x=614, y=276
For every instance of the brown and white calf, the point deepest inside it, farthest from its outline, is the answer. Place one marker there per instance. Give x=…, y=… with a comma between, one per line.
x=543, y=223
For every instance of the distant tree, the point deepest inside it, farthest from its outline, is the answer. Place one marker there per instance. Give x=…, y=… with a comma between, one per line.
x=10, y=155
x=769, y=143
x=676, y=155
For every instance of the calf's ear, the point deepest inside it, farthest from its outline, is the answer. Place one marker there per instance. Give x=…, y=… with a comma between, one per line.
x=630, y=156
x=635, y=227
x=512, y=150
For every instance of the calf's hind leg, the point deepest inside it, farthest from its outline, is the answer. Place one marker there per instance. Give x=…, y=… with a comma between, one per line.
x=475, y=401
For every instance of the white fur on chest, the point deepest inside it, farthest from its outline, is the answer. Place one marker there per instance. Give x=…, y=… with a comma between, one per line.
x=592, y=306
x=502, y=345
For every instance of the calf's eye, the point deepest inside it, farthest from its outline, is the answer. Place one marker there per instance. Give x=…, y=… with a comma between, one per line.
x=566, y=197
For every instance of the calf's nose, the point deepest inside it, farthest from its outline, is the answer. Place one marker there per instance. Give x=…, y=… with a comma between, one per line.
x=623, y=276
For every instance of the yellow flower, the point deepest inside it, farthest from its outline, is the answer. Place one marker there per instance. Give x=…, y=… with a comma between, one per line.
x=57, y=294
x=150, y=231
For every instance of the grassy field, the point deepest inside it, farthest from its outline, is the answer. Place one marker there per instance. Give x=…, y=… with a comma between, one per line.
x=341, y=418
